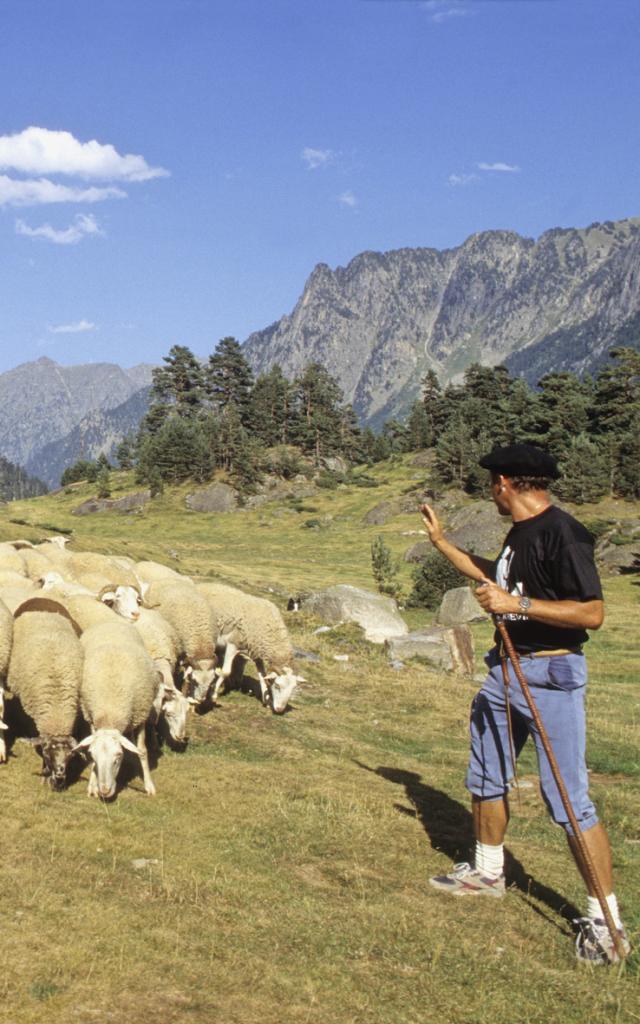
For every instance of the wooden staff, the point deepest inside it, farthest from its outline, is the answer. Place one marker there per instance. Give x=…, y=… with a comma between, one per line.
x=587, y=860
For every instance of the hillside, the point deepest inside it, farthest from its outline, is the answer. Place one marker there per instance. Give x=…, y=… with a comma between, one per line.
x=280, y=875
x=381, y=322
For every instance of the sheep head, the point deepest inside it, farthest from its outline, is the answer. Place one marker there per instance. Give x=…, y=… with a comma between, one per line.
x=56, y=752
x=106, y=749
x=280, y=688
x=125, y=601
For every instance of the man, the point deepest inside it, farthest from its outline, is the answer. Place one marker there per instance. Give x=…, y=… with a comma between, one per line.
x=546, y=587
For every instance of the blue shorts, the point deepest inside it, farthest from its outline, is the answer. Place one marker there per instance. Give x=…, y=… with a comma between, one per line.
x=558, y=688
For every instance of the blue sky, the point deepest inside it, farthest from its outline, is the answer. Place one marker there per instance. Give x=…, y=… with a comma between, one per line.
x=192, y=160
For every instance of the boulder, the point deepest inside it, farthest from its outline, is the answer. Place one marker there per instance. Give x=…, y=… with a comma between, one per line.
x=418, y=551
x=377, y=615
x=459, y=606
x=379, y=515
x=217, y=497
x=129, y=503
x=450, y=650
x=615, y=559
x=335, y=464
x=478, y=528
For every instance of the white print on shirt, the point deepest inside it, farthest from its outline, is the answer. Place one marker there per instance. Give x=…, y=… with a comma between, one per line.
x=502, y=578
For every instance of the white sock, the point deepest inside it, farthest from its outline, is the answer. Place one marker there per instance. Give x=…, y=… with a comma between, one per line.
x=594, y=910
x=489, y=859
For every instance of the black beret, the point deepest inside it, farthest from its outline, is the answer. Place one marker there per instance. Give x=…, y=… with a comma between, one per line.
x=521, y=460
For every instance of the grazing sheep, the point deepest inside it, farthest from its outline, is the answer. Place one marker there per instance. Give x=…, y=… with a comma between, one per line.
x=252, y=628
x=10, y=560
x=14, y=595
x=190, y=615
x=83, y=562
x=10, y=578
x=163, y=646
x=36, y=565
x=6, y=639
x=124, y=600
x=118, y=688
x=45, y=670
x=85, y=609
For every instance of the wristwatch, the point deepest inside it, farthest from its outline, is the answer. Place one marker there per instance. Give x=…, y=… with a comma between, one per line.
x=524, y=605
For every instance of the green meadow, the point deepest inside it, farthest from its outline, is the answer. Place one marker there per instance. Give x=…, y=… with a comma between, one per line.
x=280, y=875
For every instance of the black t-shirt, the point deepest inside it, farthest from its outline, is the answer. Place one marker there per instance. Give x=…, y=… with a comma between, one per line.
x=549, y=556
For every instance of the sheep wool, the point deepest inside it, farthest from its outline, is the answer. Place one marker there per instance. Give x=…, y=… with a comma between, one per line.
x=256, y=625
x=188, y=612
x=119, y=680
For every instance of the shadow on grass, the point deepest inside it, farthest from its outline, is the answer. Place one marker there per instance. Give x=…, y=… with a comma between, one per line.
x=449, y=826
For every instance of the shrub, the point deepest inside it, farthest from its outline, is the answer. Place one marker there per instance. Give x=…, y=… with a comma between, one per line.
x=431, y=580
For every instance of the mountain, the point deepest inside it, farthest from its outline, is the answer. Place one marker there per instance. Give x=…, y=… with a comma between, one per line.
x=42, y=403
x=378, y=324
x=99, y=432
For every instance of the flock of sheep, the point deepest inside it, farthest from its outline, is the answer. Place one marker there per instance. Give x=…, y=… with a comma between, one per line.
x=116, y=642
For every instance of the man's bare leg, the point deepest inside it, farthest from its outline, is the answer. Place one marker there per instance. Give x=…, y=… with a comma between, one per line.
x=490, y=820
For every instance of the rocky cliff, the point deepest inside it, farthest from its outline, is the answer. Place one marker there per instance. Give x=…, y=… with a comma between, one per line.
x=42, y=403
x=382, y=321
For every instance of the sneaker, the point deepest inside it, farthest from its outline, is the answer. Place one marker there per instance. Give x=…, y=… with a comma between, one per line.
x=467, y=881
x=594, y=943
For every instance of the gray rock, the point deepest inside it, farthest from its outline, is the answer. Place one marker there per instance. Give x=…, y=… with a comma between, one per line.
x=129, y=503
x=450, y=650
x=335, y=464
x=377, y=615
x=478, y=528
x=617, y=557
x=418, y=551
x=396, y=665
x=459, y=606
x=306, y=655
x=217, y=497
x=379, y=515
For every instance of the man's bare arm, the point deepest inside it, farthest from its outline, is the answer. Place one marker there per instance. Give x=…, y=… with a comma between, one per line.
x=473, y=566
x=566, y=614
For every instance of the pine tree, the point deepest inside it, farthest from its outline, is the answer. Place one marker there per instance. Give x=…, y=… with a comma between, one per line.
x=229, y=379
x=179, y=383
x=420, y=433
x=271, y=407
x=103, y=483
x=385, y=568
x=317, y=424
x=434, y=408
x=125, y=453
x=564, y=404
x=585, y=471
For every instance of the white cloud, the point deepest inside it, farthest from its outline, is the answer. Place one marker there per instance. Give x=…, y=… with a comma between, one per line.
x=508, y=168
x=77, y=328
x=316, y=157
x=34, y=192
x=461, y=179
x=38, y=151
x=348, y=199
x=443, y=10
x=82, y=226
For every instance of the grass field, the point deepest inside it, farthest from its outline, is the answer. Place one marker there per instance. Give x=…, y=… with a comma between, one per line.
x=280, y=875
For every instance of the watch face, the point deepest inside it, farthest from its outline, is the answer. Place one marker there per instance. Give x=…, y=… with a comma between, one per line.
x=525, y=604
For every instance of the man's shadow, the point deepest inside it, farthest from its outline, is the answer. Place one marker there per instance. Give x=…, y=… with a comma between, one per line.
x=449, y=826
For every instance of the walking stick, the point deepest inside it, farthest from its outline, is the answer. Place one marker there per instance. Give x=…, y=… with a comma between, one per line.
x=587, y=860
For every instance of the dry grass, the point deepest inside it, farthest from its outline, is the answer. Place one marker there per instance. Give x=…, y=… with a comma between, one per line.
x=287, y=858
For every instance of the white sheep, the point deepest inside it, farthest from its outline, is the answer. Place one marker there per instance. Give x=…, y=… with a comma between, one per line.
x=117, y=692
x=14, y=595
x=45, y=670
x=252, y=628
x=36, y=565
x=10, y=560
x=125, y=600
x=189, y=613
x=149, y=572
x=6, y=639
x=162, y=643
x=82, y=562
x=85, y=609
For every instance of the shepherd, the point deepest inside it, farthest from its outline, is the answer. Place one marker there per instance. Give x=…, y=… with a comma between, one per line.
x=545, y=589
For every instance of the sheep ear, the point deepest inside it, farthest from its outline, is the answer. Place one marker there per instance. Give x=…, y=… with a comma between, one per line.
x=187, y=671
x=271, y=675
x=193, y=701
x=3, y=726
x=128, y=745
x=300, y=679
x=83, y=744
x=109, y=598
